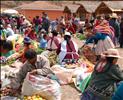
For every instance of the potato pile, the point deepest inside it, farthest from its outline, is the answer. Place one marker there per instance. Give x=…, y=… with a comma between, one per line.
x=35, y=97
x=89, y=54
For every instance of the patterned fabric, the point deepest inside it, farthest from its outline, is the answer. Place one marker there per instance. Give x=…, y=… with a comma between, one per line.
x=104, y=28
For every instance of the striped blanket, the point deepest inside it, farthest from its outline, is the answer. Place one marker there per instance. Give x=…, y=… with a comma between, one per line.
x=105, y=28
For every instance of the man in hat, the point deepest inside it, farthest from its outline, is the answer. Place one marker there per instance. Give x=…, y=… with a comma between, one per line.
x=68, y=50
x=114, y=23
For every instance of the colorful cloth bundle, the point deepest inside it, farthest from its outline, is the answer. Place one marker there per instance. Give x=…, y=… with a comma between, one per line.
x=104, y=27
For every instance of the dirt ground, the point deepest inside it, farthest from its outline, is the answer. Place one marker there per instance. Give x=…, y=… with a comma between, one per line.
x=69, y=92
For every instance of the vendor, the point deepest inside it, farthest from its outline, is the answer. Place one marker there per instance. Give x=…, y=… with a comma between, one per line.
x=106, y=75
x=35, y=64
x=27, y=45
x=6, y=48
x=100, y=38
x=68, y=50
x=53, y=42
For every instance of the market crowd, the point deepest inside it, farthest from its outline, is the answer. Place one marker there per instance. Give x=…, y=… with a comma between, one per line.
x=104, y=32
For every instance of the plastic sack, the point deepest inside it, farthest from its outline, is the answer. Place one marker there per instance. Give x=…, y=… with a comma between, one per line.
x=64, y=75
x=8, y=98
x=43, y=86
x=81, y=81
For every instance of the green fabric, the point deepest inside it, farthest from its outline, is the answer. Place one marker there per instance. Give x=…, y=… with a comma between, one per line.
x=36, y=29
x=8, y=54
x=84, y=83
x=3, y=34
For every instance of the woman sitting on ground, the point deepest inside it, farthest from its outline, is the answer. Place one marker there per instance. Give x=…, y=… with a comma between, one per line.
x=68, y=50
x=53, y=42
x=43, y=42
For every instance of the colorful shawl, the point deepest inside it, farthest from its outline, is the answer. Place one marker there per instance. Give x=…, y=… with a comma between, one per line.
x=105, y=28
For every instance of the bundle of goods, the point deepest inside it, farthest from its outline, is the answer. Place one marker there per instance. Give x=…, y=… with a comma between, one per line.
x=88, y=53
x=43, y=86
x=81, y=61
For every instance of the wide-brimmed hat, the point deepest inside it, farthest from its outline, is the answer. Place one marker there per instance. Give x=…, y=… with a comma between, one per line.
x=27, y=40
x=67, y=33
x=114, y=15
x=111, y=53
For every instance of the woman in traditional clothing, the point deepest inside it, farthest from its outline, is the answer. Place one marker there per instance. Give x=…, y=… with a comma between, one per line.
x=27, y=46
x=53, y=42
x=104, y=78
x=101, y=36
x=68, y=50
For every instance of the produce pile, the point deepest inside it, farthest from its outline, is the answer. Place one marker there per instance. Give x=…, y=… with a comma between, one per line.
x=81, y=36
x=87, y=52
x=34, y=97
x=4, y=92
x=81, y=62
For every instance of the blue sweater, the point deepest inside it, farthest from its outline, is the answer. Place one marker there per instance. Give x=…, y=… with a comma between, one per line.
x=119, y=93
x=96, y=37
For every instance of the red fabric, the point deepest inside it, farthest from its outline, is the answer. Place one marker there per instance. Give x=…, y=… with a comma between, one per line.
x=71, y=28
x=27, y=31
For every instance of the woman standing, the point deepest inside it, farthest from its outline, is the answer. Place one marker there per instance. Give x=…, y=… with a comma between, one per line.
x=101, y=36
x=105, y=76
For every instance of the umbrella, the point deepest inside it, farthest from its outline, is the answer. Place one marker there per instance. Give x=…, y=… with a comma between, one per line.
x=10, y=11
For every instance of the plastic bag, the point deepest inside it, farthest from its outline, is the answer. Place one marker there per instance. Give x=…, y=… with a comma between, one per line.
x=43, y=86
x=8, y=98
x=64, y=75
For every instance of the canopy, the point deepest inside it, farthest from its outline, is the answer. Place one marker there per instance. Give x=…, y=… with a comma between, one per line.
x=10, y=11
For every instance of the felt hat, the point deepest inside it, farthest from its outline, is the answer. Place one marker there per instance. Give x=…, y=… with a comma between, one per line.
x=67, y=33
x=27, y=40
x=111, y=53
x=114, y=15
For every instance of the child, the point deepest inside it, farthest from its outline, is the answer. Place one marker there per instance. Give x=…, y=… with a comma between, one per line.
x=43, y=42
